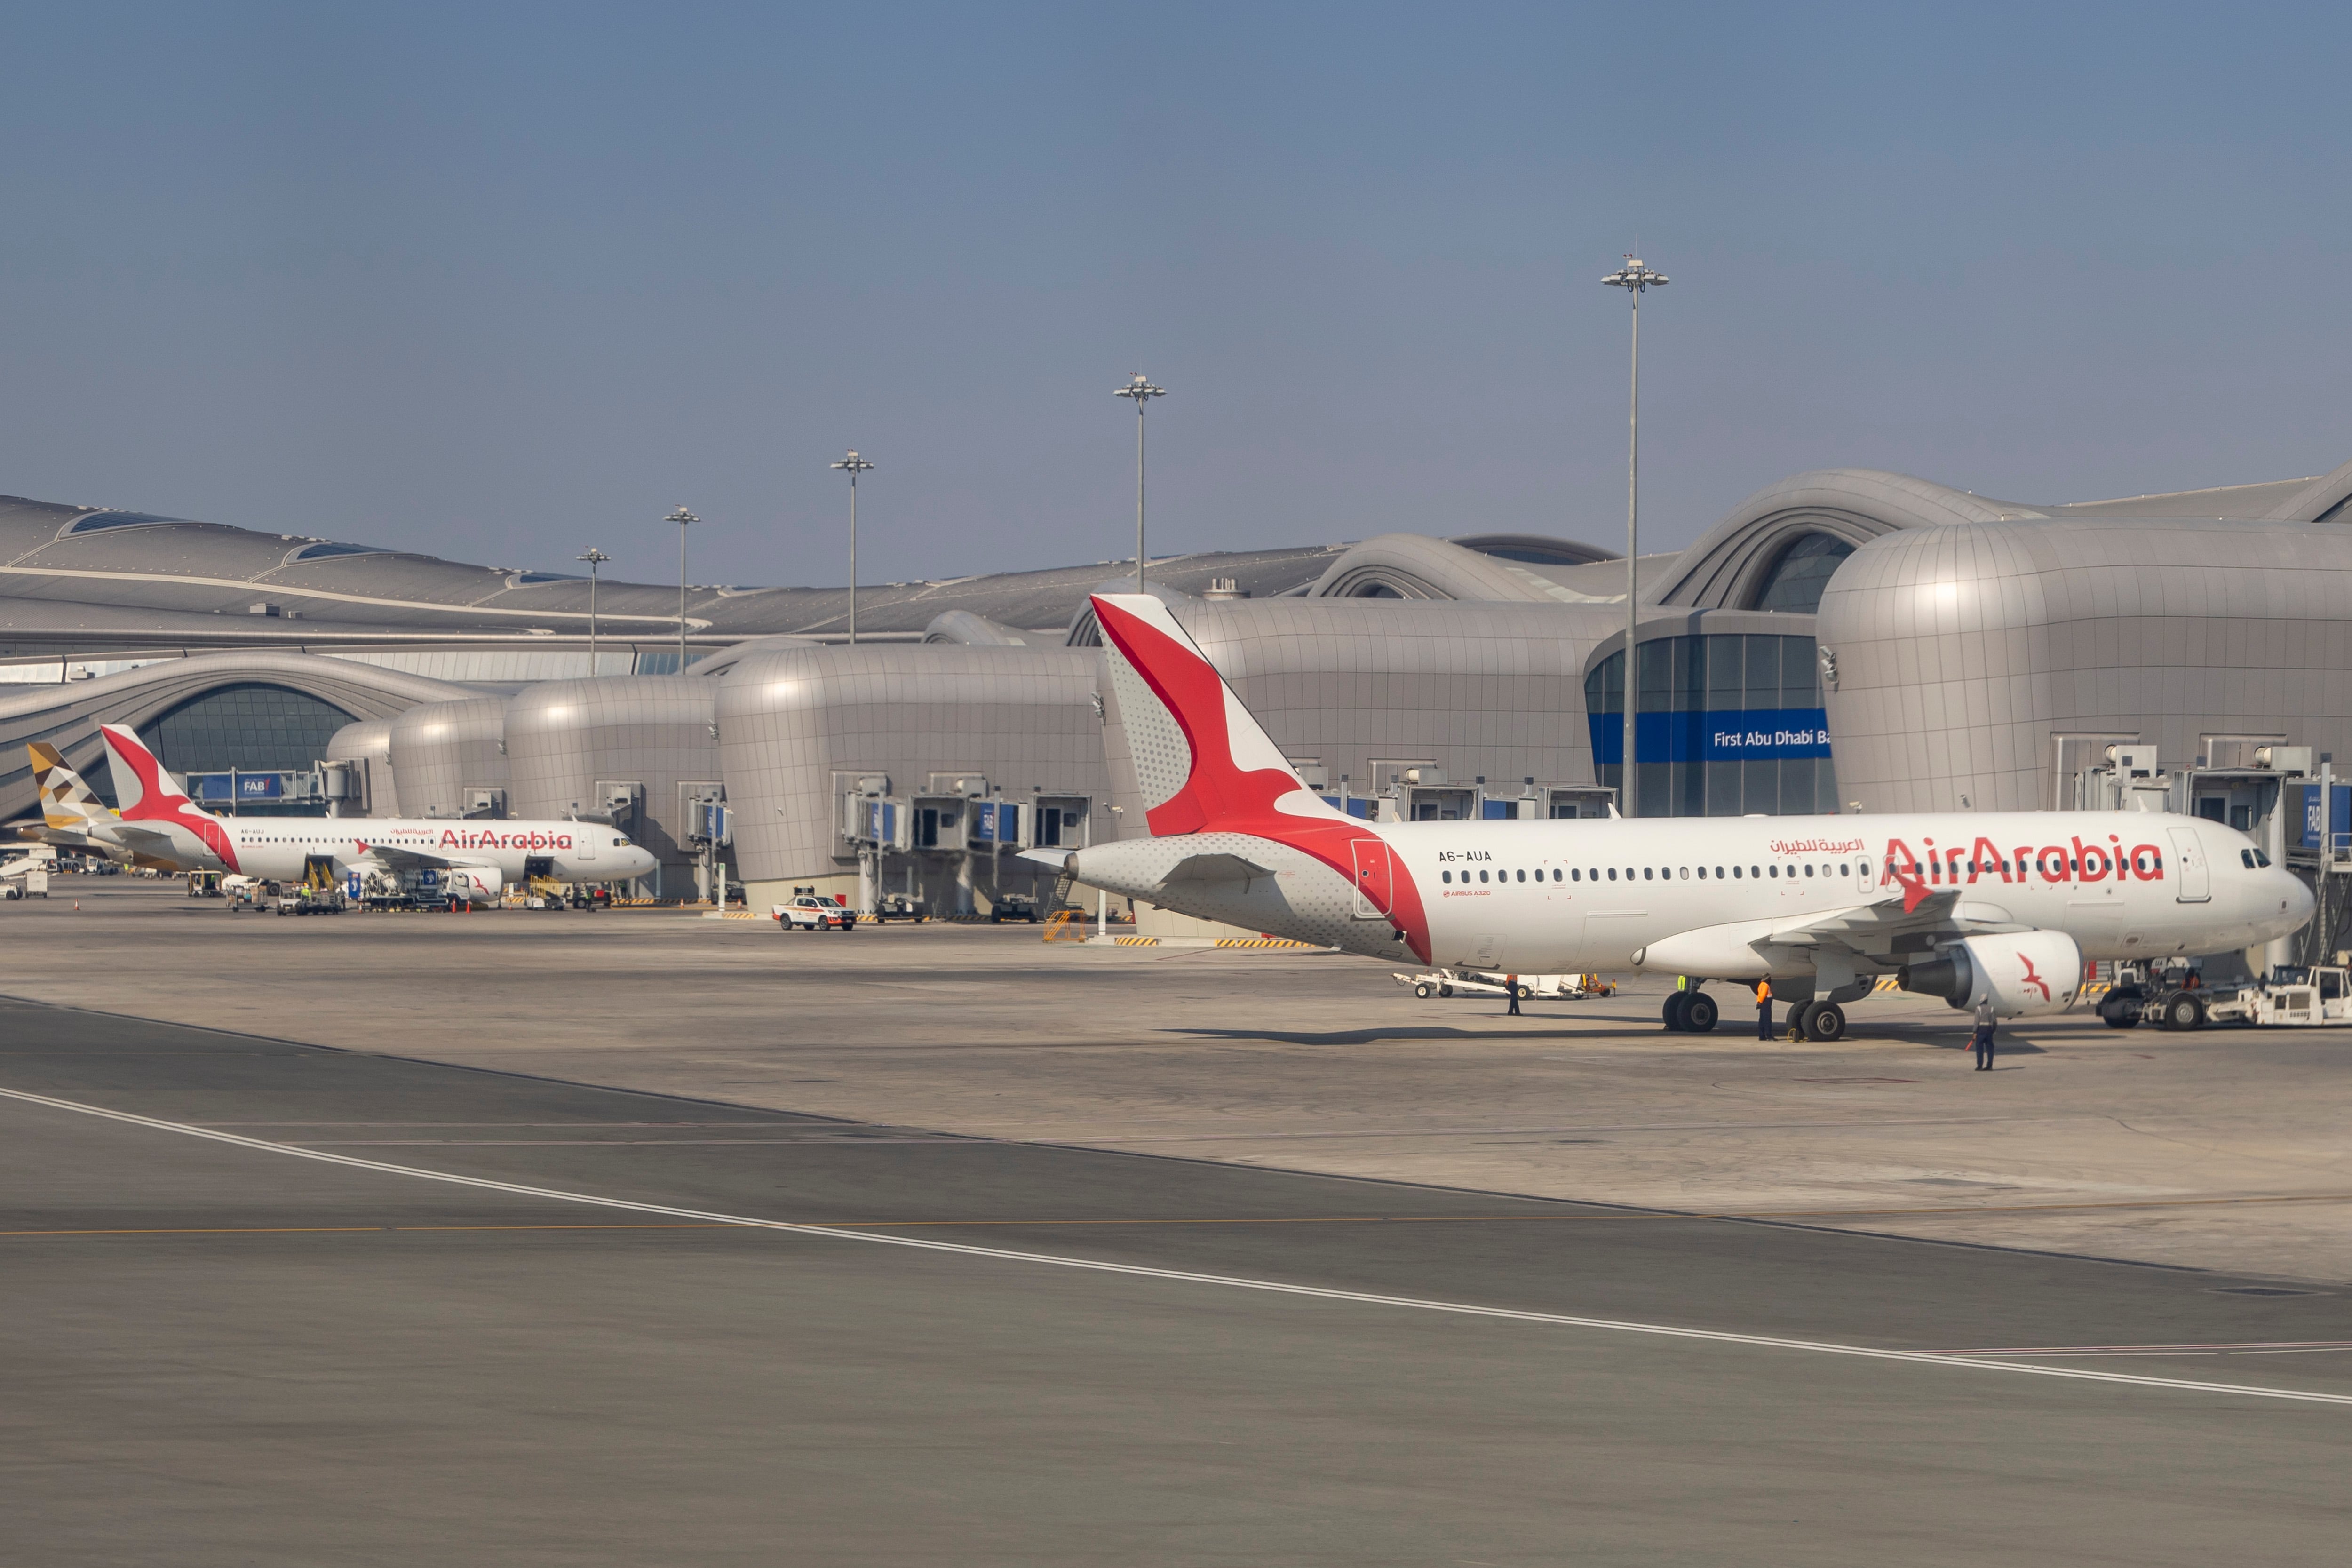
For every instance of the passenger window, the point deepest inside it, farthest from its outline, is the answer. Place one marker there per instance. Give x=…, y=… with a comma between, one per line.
x=1613, y=873
x=1482, y=876
x=1718, y=873
x=1647, y=875
x=1576, y=876
x=1446, y=876
x=1809, y=870
x=1523, y=876
x=1686, y=873
x=1776, y=870
x=1735, y=873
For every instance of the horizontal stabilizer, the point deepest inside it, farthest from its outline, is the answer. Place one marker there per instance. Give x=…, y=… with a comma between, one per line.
x=1219, y=867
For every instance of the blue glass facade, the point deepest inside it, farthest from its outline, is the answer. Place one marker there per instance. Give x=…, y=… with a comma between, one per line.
x=1728, y=725
x=250, y=727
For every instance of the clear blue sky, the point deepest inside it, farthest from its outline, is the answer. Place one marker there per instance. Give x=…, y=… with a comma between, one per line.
x=500, y=281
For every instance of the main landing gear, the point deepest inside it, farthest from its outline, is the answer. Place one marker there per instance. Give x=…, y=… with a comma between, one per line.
x=1820, y=1021
x=1695, y=1013
x=1690, y=1012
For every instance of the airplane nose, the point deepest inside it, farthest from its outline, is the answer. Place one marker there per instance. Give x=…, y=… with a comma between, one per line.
x=2298, y=900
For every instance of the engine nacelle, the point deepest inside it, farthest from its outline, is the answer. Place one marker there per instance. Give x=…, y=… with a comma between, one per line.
x=2021, y=975
x=475, y=884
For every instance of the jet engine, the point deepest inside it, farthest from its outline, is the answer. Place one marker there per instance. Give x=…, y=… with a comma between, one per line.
x=475, y=884
x=2030, y=972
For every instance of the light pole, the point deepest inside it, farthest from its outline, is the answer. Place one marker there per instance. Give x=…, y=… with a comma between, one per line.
x=681, y=517
x=1143, y=391
x=855, y=466
x=594, y=558
x=1632, y=278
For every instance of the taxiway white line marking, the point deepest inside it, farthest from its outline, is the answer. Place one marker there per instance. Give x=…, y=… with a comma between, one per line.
x=1186, y=1277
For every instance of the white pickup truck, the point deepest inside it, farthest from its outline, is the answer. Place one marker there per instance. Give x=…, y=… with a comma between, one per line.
x=809, y=912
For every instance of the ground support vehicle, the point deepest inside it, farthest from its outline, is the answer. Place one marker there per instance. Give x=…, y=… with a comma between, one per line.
x=204, y=884
x=32, y=883
x=303, y=901
x=1013, y=907
x=2284, y=998
x=1478, y=983
x=899, y=907
x=809, y=912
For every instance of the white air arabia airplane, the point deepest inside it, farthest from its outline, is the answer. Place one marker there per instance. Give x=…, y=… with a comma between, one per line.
x=1974, y=907
x=473, y=860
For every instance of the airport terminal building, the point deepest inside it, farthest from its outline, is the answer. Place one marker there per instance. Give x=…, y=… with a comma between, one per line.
x=1844, y=640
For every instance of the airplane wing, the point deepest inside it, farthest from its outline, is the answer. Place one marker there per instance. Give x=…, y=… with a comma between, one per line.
x=1904, y=923
x=405, y=860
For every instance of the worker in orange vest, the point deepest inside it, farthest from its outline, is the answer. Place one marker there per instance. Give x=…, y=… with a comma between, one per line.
x=1764, y=1008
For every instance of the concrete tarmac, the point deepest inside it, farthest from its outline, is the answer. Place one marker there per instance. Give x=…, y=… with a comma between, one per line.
x=2229, y=1150
x=232, y=1354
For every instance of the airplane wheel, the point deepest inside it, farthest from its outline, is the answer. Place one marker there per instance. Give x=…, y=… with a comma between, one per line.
x=1699, y=1012
x=1825, y=1021
x=2184, y=1013
x=2127, y=1021
x=1678, y=1002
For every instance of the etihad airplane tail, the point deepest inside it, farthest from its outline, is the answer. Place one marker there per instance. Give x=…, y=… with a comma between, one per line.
x=1201, y=762
x=67, y=804
x=146, y=790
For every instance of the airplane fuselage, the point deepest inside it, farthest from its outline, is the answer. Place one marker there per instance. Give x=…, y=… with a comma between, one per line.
x=278, y=848
x=1585, y=896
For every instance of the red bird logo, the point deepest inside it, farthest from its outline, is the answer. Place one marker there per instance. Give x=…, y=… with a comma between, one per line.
x=2032, y=979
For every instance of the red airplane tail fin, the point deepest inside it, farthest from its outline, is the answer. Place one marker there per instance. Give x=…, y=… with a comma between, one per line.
x=146, y=793
x=1201, y=762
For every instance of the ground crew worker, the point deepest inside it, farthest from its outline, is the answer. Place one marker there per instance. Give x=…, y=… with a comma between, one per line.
x=1764, y=1008
x=1511, y=983
x=1981, y=1039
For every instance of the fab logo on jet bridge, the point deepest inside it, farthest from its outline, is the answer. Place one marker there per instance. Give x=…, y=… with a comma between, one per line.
x=453, y=839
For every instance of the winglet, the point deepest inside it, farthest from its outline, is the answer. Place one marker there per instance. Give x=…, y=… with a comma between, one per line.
x=1914, y=887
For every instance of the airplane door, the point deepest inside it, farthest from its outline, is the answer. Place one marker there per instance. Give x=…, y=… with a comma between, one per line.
x=2196, y=885
x=587, y=845
x=1375, y=878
